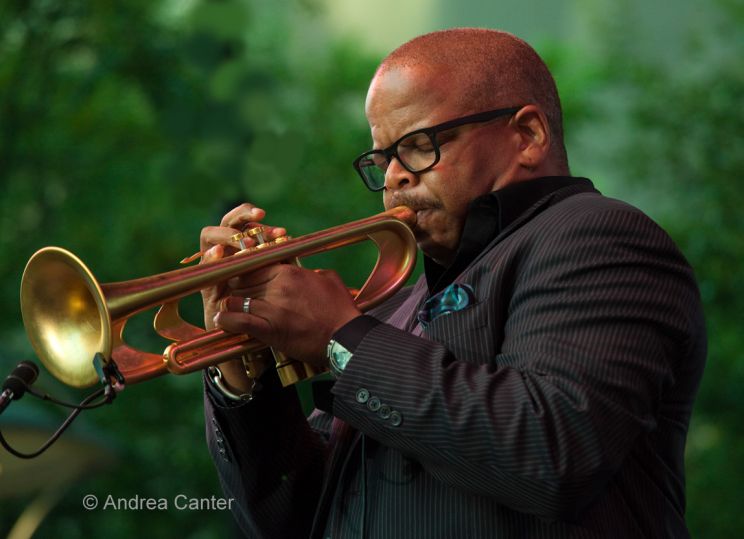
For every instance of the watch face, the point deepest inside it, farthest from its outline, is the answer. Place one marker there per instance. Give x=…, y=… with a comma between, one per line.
x=339, y=356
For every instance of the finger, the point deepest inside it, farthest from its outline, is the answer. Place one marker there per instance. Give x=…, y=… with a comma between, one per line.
x=256, y=280
x=246, y=290
x=326, y=273
x=213, y=253
x=255, y=323
x=247, y=216
x=248, y=324
x=274, y=232
x=218, y=235
x=238, y=304
x=250, y=283
x=267, y=231
x=256, y=306
x=245, y=213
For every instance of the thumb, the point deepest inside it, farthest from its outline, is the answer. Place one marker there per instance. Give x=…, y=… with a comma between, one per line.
x=213, y=253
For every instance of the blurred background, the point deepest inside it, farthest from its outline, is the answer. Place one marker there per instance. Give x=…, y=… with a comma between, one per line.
x=127, y=126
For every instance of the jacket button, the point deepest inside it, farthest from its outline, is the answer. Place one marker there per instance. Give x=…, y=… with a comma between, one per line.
x=384, y=411
x=222, y=451
x=395, y=418
x=374, y=404
x=362, y=396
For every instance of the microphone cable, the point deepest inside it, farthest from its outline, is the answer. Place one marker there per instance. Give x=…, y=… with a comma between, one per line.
x=84, y=405
x=19, y=382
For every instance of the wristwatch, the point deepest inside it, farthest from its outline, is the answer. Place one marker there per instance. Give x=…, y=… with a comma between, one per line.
x=338, y=357
x=217, y=379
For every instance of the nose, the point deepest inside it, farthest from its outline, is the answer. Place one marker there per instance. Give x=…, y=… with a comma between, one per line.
x=397, y=177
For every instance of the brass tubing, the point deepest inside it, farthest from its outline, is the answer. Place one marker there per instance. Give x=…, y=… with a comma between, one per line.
x=210, y=348
x=130, y=297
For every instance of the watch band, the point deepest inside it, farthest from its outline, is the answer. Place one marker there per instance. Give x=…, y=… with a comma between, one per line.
x=215, y=375
x=338, y=357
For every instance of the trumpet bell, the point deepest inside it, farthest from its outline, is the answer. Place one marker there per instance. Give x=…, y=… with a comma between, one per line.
x=65, y=315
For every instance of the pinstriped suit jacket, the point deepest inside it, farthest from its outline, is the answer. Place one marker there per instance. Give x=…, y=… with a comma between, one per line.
x=556, y=405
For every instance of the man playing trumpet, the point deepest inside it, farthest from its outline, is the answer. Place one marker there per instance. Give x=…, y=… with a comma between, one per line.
x=538, y=379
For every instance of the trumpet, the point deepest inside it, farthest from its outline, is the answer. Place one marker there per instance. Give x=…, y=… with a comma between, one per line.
x=70, y=317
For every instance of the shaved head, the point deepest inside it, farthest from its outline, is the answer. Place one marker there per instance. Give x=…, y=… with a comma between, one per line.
x=487, y=69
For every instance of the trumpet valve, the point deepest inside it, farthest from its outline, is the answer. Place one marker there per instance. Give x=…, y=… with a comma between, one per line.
x=257, y=233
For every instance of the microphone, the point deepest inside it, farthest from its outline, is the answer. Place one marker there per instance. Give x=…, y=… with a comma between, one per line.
x=17, y=382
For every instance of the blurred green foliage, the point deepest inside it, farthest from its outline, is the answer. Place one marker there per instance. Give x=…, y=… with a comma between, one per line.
x=686, y=155
x=668, y=136
x=127, y=126
x=124, y=128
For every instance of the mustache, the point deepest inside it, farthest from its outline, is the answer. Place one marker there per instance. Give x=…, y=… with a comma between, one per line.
x=414, y=202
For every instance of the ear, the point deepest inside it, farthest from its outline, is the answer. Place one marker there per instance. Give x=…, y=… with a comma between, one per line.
x=531, y=125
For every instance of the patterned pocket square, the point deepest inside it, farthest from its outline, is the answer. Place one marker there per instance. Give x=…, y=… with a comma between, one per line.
x=453, y=298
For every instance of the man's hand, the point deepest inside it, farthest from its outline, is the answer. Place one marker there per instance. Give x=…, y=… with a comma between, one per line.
x=215, y=242
x=292, y=309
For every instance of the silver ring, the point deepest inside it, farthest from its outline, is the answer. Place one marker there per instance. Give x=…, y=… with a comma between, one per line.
x=246, y=305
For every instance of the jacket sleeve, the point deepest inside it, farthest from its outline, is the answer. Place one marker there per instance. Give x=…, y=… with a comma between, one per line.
x=597, y=323
x=269, y=460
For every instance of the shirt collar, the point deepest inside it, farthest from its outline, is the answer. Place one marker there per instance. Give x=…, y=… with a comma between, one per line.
x=488, y=215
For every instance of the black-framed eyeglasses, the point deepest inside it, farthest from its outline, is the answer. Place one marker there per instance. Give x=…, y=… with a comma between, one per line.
x=417, y=151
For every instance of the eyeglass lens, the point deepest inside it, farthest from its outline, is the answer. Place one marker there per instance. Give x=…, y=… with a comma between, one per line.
x=415, y=152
